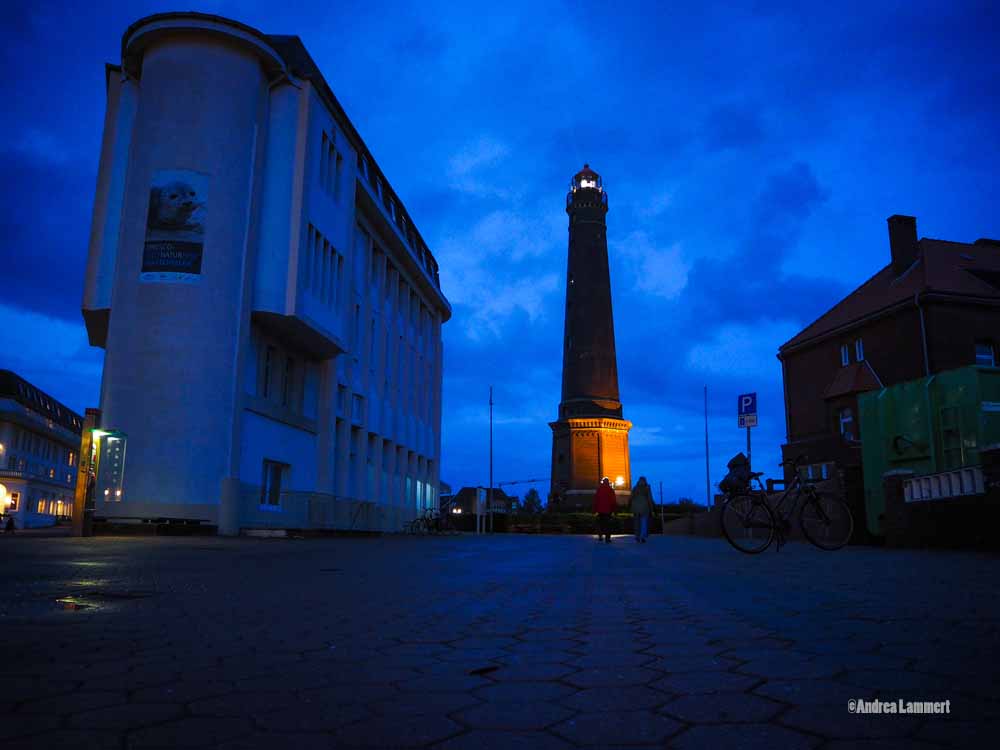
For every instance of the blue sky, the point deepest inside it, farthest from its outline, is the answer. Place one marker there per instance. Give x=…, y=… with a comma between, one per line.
x=751, y=153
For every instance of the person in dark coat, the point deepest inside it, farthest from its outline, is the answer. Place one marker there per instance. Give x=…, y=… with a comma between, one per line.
x=641, y=506
x=604, y=506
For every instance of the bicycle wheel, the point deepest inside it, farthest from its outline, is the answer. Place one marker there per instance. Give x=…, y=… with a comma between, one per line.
x=747, y=523
x=826, y=522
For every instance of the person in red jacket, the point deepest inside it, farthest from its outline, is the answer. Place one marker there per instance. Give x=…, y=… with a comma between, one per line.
x=604, y=506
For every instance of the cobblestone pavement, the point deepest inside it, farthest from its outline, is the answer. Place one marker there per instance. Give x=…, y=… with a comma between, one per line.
x=500, y=642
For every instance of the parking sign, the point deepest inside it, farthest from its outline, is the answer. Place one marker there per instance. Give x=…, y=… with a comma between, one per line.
x=746, y=410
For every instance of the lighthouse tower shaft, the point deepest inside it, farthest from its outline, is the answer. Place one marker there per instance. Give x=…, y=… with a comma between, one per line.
x=590, y=438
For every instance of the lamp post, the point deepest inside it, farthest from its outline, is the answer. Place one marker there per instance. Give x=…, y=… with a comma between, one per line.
x=489, y=493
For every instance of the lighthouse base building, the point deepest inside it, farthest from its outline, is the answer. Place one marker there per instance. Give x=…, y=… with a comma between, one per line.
x=270, y=314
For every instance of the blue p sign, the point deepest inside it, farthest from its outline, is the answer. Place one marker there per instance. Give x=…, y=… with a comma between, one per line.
x=747, y=404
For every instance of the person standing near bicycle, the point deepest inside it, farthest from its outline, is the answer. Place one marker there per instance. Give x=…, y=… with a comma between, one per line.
x=604, y=505
x=641, y=506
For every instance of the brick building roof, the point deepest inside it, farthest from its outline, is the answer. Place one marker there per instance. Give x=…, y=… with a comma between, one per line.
x=954, y=268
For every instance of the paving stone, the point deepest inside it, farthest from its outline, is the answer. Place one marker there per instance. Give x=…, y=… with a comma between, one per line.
x=520, y=692
x=411, y=731
x=532, y=672
x=244, y=704
x=182, y=692
x=513, y=716
x=612, y=677
x=613, y=659
x=126, y=716
x=492, y=740
x=691, y=683
x=722, y=708
x=312, y=715
x=189, y=732
x=628, y=698
x=618, y=727
x=676, y=664
x=421, y=704
x=840, y=724
x=813, y=692
x=76, y=739
x=24, y=725
x=744, y=737
x=73, y=703
x=274, y=740
x=961, y=734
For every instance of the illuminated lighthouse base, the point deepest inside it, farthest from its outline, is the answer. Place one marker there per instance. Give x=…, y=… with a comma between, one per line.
x=584, y=450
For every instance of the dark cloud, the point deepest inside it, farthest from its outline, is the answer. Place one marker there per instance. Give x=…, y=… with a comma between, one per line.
x=45, y=211
x=733, y=126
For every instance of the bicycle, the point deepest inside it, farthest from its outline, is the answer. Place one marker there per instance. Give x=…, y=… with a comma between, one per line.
x=750, y=522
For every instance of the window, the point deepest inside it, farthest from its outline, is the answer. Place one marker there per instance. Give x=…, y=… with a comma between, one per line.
x=845, y=355
x=41, y=506
x=288, y=383
x=986, y=355
x=846, y=418
x=15, y=499
x=859, y=350
x=330, y=166
x=270, y=490
x=269, y=357
x=816, y=472
x=71, y=460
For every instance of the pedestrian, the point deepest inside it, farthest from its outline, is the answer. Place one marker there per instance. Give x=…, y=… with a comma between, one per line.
x=9, y=526
x=604, y=506
x=642, y=507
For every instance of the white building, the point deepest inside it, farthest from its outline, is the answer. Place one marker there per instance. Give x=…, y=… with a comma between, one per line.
x=271, y=316
x=39, y=451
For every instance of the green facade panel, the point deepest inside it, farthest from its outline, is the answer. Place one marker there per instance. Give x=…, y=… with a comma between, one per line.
x=928, y=425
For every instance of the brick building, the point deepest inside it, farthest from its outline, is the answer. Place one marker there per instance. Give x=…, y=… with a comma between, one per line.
x=935, y=306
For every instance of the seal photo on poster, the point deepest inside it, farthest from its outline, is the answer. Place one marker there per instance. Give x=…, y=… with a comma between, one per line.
x=175, y=226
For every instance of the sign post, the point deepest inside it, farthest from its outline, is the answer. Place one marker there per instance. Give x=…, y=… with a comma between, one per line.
x=746, y=416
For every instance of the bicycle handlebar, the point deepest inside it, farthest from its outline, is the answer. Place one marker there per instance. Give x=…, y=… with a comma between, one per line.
x=795, y=462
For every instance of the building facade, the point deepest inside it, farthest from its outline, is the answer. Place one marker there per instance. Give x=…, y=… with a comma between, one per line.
x=934, y=307
x=39, y=452
x=271, y=315
x=590, y=438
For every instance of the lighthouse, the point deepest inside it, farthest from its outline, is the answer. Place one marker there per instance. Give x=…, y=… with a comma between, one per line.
x=590, y=438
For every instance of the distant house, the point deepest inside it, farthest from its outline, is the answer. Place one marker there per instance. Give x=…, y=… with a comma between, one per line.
x=464, y=501
x=935, y=306
x=39, y=451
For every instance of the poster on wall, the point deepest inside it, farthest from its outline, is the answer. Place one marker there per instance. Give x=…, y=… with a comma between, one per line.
x=175, y=227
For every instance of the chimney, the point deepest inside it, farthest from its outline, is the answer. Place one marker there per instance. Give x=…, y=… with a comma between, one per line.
x=903, y=242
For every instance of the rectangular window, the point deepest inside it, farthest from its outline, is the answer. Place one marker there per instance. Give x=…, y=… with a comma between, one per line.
x=986, y=354
x=15, y=499
x=859, y=350
x=270, y=490
x=846, y=418
x=288, y=383
x=41, y=506
x=338, y=169
x=330, y=164
x=268, y=364
x=845, y=355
